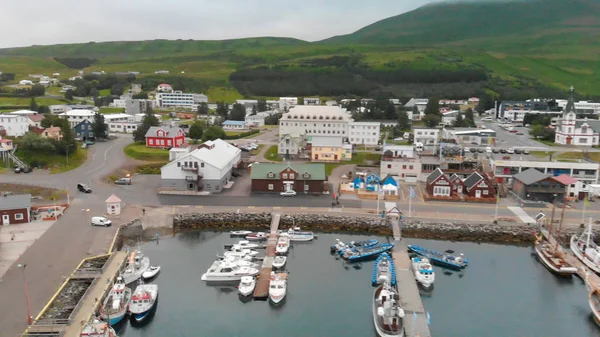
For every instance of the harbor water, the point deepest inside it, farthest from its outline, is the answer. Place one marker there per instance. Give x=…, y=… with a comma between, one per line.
x=503, y=292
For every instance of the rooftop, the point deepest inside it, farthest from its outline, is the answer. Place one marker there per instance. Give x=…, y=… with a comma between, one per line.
x=24, y=112
x=566, y=179
x=530, y=176
x=315, y=112
x=78, y=112
x=14, y=201
x=171, y=131
x=326, y=141
x=261, y=170
x=229, y=122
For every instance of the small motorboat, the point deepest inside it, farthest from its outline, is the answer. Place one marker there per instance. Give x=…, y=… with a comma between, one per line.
x=222, y=271
x=239, y=233
x=441, y=259
x=97, y=328
x=136, y=266
x=143, y=300
x=247, y=284
x=151, y=272
x=384, y=270
x=359, y=253
x=424, y=273
x=115, y=305
x=283, y=245
x=239, y=251
x=277, y=287
x=340, y=246
x=260, y=236
x=296, y=235
x=227, y=255
x=245, y=244
x=279, y=262
x=388, y=316
x=240, y=262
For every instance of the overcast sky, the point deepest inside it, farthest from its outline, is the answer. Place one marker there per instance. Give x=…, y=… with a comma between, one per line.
x=73, y=21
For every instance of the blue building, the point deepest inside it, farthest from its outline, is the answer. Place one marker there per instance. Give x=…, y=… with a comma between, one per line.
x=83, y=130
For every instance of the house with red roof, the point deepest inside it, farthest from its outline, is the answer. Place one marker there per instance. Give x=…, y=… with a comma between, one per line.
x=164, y=137
x=575, y=188
x=164, y=87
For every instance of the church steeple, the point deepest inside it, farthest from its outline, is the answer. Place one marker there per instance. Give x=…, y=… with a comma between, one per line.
x=570, y=104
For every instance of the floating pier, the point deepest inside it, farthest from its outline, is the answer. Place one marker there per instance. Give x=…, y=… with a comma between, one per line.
x=262, y=285
x=415, y=319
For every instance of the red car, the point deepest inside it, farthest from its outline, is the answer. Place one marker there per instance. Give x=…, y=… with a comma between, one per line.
x=514, y=131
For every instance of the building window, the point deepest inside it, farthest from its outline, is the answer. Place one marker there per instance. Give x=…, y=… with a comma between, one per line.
x=306, y=175
x=271, y=175
x=178, y=164
x=485, y=192
x=292, y=176
x=389, y=166
x=404, y=167
x=195, y=164
x=19, y=216
x=151, y=141
x=201, y=164
x=208, y=186
x=270, y=187
x=284, y=176
x=410, y=167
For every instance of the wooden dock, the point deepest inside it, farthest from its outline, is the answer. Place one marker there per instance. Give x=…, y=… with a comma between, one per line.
x=415, y=319
x=262, y=285
x=592, y=277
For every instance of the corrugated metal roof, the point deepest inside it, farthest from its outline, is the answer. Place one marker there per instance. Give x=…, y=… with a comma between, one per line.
x=262, y=170
x=15, y=201
x=530, y=176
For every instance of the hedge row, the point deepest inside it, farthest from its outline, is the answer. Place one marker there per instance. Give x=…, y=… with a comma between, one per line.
x=243, y=134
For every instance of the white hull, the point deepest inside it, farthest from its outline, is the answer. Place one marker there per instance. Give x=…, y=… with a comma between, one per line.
x=151, y=272
x=278, y=288
x=299, y=238
x=210, y=278
x=135, y=274
x=141, y=310
x=425, y=280
x=567, y=271
x=578, y=253
x=279, y=263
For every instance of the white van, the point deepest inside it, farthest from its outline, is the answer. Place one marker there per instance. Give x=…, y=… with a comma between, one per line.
x=101, y=221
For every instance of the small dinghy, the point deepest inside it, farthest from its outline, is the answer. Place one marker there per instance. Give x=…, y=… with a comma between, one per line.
x=247, y=284
x=340, y=246
x=384, y=270
x=423, y=271
x=283, y=245
x=441, y=259
x=260, y=236
x=239, y=233
x=277, y=287
x=279, y=262
x=151, y=272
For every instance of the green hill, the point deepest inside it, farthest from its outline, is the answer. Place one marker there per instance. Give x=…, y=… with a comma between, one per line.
x=521, y=25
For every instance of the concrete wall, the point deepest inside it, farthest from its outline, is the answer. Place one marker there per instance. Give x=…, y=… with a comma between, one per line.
x=209, y=185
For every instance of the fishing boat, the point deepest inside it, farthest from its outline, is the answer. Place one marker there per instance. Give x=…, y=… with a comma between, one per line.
x=388, y=316
x=239, y=233
x=240, y=262
x=97, y=328
x=279, y=262
x=359, y=253
x=552, y=258
x=222, y=271
x=296, y=235
x=441, y=259
x=384, y=270
x=136, y=266
x=247, y=285
x=340, y=246
x=151, y=272
x=586, y=250
x=115, y=305
x=283, y=245
x=277, y=287
x=143, y=300
x=424, y=273
x=245, y=244
x=260, y=236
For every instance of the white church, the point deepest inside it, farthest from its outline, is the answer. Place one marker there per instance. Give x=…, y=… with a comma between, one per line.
x=573, y=131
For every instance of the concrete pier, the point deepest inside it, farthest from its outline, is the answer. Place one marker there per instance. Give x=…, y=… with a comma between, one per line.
x=262, y=286
x=415, y=319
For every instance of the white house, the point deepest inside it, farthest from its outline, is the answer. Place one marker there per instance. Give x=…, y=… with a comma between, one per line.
x=312, y=101
x=400, y=161
x=164, y=87
x=57, y=108
x=118, y=103
x=76, y=116
x=420, y=103
x=179, y=99
x=427, y=137
x=45, y=83
x=257, y=120
x=207, y=169
x=14, y=125
x=290, y=145
x=23, y=112
x=573, y=131
x=448, y=118
x=234, y=125
x=364, y=133
x=121, y=123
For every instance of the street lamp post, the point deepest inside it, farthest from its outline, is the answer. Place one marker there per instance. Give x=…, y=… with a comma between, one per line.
x=29, y=318
x=67, y=149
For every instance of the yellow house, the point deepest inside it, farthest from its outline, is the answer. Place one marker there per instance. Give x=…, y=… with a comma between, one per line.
x=52, y=133
x=329, y=149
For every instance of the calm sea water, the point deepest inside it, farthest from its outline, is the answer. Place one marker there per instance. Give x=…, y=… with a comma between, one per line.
x=504, y=292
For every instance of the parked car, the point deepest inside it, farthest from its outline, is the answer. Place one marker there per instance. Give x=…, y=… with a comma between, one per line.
x=288, y=193
x=17, y=169
x=495, y=151
x=123, y=181
x=525, y=151
x=473, y=150
x=467, y=149
x=519, y=133
x=481, y=150
x=101, y=221
x=518, y=151
x=514, y=131
x=503, y=151
x=84, y=188
x=510, y=151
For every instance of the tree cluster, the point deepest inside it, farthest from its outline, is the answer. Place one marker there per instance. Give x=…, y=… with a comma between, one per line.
x=75, y=62
x=543, y=132
x=468, y=121
x=53, y=146
x=90, y=85
x=433, y=116
x=149, y=121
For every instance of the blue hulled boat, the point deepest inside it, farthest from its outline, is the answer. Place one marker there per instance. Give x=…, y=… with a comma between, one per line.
x=340, y=246
x=384, y=270
x=359, y=253
x=440, y=259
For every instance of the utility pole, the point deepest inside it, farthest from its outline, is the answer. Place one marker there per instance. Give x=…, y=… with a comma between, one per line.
x=29, y=318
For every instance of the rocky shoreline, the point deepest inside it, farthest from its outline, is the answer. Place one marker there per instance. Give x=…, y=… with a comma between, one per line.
x=453, y=231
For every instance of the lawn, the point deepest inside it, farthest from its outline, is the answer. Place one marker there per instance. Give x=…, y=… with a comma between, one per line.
x=104, y=92
x=108, y=110
x=223, y=94
x=541, y=154
x=271, y=154
x=56, y=163
x=25, y=101
x=572, y=156
x=358, y=158
x=545, y=142
x=141, y=152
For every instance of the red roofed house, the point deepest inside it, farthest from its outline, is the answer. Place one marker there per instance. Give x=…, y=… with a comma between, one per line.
x=164, y=137
x=5, y=144
x=164, y=88
x=36, y=120
x=575, y=188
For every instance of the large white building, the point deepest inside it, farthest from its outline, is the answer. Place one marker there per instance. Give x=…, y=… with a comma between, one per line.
x=14, y=125
x=573, y=131
x=364, y=133
x=400, y=161
x=206, y=169
x=179, y=99
x=427, y=137
x=77, y=116
x=587, y=173
x=581, y=106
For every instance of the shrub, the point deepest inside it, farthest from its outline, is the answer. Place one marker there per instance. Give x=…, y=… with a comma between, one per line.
x=243, y=134
x=152, y=168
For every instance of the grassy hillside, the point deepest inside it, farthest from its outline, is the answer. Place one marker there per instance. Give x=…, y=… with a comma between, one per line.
x=498, y=25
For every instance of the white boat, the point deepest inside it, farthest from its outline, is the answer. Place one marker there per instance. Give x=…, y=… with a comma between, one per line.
x=295, y=234
x=553, y=258
x=260, y=236
x=239, y=251
x=143, y=300
x=586, y=250
x=227, y=271
x=277, y=287
x=239, y=233
x=115, y=305
x=151, y=272
x=383, y=270
x=423, y=271
x=97, y=328
x=136, y=266
x=279, y=262
x=247, y=284
x=283, y=245
x=245, y=244
x=228, y=255
x=387, y=314
x=240, y=262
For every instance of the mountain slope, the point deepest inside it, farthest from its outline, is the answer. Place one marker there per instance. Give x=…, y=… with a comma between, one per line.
x=507, y=23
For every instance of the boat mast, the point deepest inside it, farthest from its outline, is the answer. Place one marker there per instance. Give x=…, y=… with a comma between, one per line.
x=589, y=233
x=562, y=217
x=552, y=218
